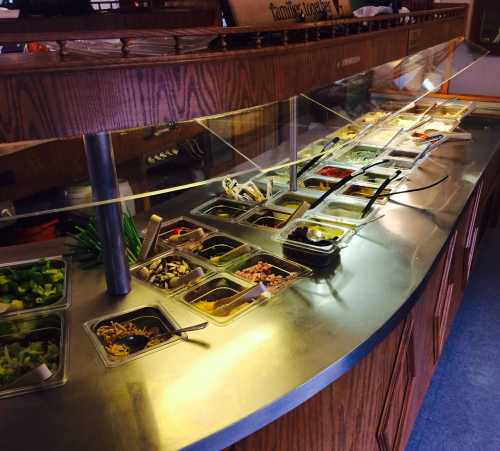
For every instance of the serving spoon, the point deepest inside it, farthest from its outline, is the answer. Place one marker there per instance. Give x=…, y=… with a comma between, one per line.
x=136, y=343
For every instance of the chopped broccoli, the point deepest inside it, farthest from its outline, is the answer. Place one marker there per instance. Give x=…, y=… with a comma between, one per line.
x=35, y=285
x=17, y=359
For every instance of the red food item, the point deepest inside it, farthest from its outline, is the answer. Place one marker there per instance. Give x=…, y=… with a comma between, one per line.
x=263, y=272
x=332, y=171
x=178, y=231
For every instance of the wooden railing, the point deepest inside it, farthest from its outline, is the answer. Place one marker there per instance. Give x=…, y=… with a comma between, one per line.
x=133, y=79
x=228, y=38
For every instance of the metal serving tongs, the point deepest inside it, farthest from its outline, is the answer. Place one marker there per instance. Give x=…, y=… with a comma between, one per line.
x=318, y=157
x=345, y=180
x=195, y=234
x=229, y=255
x=224, y=306
x=36, y=376
x=298, y=213
x=377, y=193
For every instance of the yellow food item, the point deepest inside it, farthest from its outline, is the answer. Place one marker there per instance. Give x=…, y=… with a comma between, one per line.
x=209, y=307
x=110, y=333
x=327, y=232
x=347, y=132
x=290, y=204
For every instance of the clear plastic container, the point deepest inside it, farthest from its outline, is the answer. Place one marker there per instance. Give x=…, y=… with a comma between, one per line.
x=266, y=218
x=317, y=184
x=223, y=209
x=165, y=258
x=376, y=178
x=203, y=296
x=292, y=200
x=215, y=247
x=173, y=229
x=335, y=222
x=27, y=330
x=333, y=171
x=346, y=133
x=404, y=164
x=361, y=155
x=379, y=137
x=153, y=317
x=406, y=120
x=61, y=302
x=345, y=209
x=364, y=191
x=320, y=252
x=438, y=125
x=285, y=272
x=449, y=111
x=371, y=118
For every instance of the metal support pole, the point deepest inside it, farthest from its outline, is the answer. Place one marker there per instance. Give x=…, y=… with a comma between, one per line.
x=293, y=142
x=102, y=172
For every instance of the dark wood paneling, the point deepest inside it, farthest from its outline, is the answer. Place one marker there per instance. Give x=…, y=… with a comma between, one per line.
x=343, y=416
x=423, y=317
x=391, y=430
x=68, y=98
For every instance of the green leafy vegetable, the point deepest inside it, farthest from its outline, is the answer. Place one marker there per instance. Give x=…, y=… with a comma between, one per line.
x=87, y=248
x=18, y=358
x=35, y=285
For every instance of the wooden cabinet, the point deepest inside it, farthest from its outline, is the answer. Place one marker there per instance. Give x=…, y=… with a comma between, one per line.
x=393, y=422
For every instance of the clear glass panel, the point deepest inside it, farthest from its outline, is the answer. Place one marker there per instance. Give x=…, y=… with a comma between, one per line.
x=369, y=97
x=158, y=164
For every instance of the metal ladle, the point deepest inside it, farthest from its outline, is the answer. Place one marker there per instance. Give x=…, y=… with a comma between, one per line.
x=316, y=235
x=136, y=343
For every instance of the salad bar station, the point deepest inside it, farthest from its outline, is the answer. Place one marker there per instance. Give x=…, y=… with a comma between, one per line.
x=292, y=302
x=299, y=299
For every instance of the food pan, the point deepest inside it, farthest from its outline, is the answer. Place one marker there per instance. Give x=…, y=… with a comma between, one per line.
x=61, y=301
x=202, y=298
x=223, y=209
x=275, y=272
x=214, y=249
x=153, y=317
x=170, y=257
x=21, y=339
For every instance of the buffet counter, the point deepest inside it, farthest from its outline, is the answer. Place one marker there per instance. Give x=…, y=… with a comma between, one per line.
x=221, y=384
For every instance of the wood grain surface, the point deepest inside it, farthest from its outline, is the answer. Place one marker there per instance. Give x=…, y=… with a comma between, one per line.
x=46, y=98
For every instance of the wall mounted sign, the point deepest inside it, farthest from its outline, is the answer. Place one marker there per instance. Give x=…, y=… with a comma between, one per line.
x=269, y=12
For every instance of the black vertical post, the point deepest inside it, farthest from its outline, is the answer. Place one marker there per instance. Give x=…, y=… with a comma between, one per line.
x=102, y=172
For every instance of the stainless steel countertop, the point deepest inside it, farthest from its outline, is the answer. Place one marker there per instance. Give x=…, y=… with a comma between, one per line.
x=235, y=379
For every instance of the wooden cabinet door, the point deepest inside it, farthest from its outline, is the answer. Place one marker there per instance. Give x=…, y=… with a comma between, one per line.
x=442, y=317
x=473, y=232
x=390, y=432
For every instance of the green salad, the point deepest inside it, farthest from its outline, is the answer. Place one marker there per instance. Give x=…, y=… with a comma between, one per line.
x=36, y=285
x=17, y=359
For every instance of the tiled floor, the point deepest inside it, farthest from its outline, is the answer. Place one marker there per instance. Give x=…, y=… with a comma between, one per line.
x=461, y=411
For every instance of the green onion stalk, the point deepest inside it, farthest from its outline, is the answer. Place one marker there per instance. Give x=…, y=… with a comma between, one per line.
x=86, y=247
